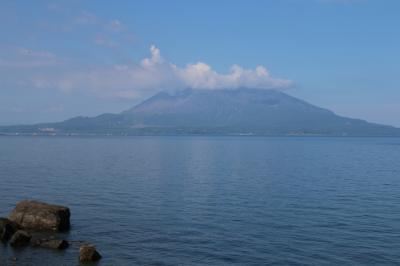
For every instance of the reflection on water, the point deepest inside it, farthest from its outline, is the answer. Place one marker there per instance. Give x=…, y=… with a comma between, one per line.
x=212, y=200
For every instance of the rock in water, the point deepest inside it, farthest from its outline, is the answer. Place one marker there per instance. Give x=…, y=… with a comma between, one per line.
x=41, y=216
x=20, y=239
x=88, y=253
x=51, y=243
x=7, y=229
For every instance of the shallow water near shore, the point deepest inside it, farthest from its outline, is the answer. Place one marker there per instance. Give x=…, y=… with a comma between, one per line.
x=211, y=200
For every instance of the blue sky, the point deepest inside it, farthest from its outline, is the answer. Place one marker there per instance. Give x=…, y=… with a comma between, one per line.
x=68, y=58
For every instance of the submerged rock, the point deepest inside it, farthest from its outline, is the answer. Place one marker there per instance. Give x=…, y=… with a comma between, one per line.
x=88, y=253
x=7, y=229
x=50, y=243
x=41, y=216
x=20, y=239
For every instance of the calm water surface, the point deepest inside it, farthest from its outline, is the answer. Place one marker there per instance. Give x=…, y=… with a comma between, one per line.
x=212, y=200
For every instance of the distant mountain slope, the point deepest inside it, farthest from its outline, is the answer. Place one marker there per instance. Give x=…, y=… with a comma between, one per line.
x=238, y=111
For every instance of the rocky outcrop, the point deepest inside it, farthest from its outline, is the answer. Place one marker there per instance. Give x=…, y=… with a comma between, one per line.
x=37, y=215
x=7, y=229
x=50, y=243
x=20, y=239
x=88, y=253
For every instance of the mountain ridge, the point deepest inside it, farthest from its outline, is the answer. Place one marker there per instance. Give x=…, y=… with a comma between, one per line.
x=242, y=111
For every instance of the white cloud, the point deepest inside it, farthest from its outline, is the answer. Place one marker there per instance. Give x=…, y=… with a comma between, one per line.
x=115, y=25
x=19, y=57
x=105, y=41
x=154, y=74
x=86, y=18
x=154, y=60
x=108, y=32
x=202, y=76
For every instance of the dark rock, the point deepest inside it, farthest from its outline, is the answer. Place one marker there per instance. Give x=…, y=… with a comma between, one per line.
x=7, y=229
x=41, y=216
x=20, y=239
x=50, y=243
x=88, y=253
x=6, y=233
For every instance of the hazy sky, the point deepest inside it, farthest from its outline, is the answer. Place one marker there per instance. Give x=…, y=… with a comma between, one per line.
x=69, y=58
